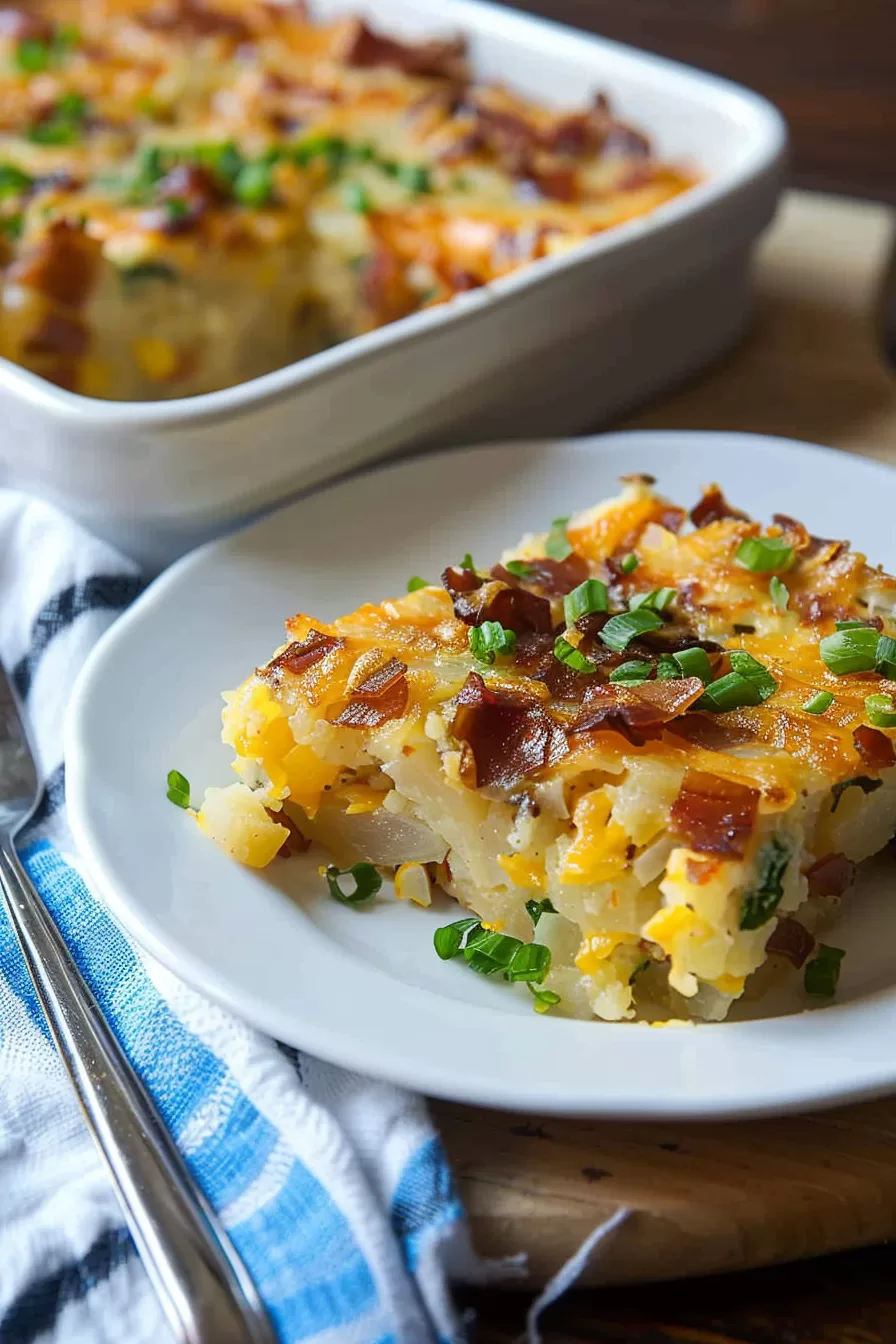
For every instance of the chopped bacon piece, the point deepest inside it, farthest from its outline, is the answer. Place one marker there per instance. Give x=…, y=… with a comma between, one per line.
x=714, y=815
x=535, y=656
x=624, y=142
x=19, y=24
x=301, y=655
x=556, y=184
x=794, y=532
x=195, y=187
x=831, y=875
x=380, y=697
x=714, y=732
x=58, y=335
x=791, y=940
x=516, y=608
x=506, y=738
x=456, y=580
x=874, y=747
x=384, y=287
x=63, y=265
x=637, y=712
x=713, y=507
x=361, y=45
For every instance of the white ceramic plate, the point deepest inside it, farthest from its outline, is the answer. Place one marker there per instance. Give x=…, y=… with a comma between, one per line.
x=365, y=989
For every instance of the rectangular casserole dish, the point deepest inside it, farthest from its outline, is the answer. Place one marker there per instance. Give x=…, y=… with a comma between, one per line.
x=551, y=348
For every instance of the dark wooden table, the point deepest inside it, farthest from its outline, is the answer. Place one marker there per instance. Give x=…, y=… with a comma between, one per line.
x=830, y=65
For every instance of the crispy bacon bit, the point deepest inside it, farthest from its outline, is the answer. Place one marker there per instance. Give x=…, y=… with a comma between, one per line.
x=384, y=287
x=58, y=335
x=301, y=655
x=361, y=45
x=380, y=697
x=831, y=875
x=791, y=940
x=624, y=142
x=874, y=747
x=187, y=183
x=456, y=580
x=63, y=265
x=637, y=712
x=506, y=737
x=535, y=656
x=20, y=24
x=713, y=732
x=556, y=184
x=714, y=815
x=794, y=532
x=516, y=608
x=713, y=507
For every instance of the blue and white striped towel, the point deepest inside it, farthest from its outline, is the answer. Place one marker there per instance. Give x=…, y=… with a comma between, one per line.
x=334, y=1188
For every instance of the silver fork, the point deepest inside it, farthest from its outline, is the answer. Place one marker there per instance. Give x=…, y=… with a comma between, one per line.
x=203, y=1287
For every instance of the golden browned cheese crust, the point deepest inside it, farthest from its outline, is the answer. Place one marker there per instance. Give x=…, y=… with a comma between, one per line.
x=193, y=192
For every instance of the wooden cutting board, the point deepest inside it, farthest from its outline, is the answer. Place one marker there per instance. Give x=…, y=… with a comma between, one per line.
x=711, y=1197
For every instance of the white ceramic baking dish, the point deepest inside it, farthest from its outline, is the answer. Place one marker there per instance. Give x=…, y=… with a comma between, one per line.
x=551, y=349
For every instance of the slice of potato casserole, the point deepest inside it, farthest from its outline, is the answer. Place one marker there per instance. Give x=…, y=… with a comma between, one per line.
x=195, y=192
x=654, y=753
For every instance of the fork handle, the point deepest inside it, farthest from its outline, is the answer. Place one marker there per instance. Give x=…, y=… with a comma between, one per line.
x=204, y=1289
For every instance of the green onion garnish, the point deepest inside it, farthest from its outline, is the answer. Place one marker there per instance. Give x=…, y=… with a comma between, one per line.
x=32, y=55
x=667, y=669
x=13, y=181
x=520, y=570
x=254, y=185
x=531, y=962
x=415, y=177
x=449, y=938
x=730, y=692
x=589, y=597
x=178, y=789
x=881, y=710
x=488, y=952
x=133, y=276
x=851, y=650
x=633, y=671
x=851, y=625
x=764, y=555
x=779, y=592
x=658, y=600
x=823, y=971
x=330, y=147
x=620, y=630
x=416, y=582
x=13, y=225
x=467, y=562
x=176, y=209
x=538, y=908
x=760, y=903
x=819, y=703
x=568, y=654
x=885, y=657
x=557, y=545
x=749, y=667
x=543, y=999
x=629, y=563
x=490, y=639
x=694, y=663
x=355, y=196
x=365, y=877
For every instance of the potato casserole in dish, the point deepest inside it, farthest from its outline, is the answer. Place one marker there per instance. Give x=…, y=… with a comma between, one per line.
x=196, y=192
x=645, y=752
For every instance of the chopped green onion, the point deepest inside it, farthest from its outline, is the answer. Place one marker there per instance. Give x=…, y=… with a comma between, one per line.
x=730, y=692
x=667, y=669
x=852, y=650
x=818, y=703
x=760, y=903
x=147, y=270
x=538, y=908
x=355, y=196
x=694, y=663
x=568, y=654
x=415, y=583
x=557, y=545
x=629, y=563
x=823, y=972
x=658, y=600
x=779, y=592
x=881, y=710
x=589, y=597
x=13, y=225
x=490, y=639
x=365, y=877
x=255, y=184
x=885, y=657
x=519, y=569
x=467, y=562
x=415, y=177
x=448, y=939
x=178, y=789
x=620, y=630
x=66, y=37
x=851, y=625
x=32, y=55
x=764, y=555
x=490, y=952
x=531, y=962
x=633, y=671
x=176, y=208
x=330, y=147
x=543, y=999
x=749, y=667
x=13, y=181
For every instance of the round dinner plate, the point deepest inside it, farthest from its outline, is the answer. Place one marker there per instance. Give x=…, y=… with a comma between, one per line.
x=365, y=989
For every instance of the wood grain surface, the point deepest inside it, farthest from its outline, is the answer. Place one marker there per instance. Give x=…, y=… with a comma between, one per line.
x=713, y=1198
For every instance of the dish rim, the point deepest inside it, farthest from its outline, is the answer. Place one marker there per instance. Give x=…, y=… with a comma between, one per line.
x=392, y=1064
x=767, y=149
